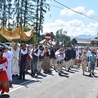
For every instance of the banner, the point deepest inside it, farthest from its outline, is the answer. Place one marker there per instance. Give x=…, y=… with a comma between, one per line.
x=17, y=33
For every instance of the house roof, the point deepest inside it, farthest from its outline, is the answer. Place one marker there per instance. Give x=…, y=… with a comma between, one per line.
x=83, y=41
x=94, y=39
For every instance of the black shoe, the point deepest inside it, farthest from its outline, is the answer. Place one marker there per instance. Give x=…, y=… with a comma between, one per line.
x=13, y=75
x=32, y=72
x=23, y=78
x=2, y=92
x=93, y=74
x=33, y=75
x=90, y=75
x=45, y=72
x=59, y=74
x=38, y=73
x=16, y=75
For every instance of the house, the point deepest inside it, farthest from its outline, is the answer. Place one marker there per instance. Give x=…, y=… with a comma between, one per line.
x=94, y=42
x=81, y=42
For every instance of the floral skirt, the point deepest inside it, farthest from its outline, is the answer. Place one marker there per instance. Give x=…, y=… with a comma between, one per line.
x=4, y=83
x=46, y=64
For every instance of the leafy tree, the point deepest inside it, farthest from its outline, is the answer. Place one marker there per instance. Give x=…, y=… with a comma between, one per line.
x=41, y=8
x=62, y=37
x=3, y=11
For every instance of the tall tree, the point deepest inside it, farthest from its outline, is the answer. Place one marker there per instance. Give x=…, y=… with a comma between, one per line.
x=3, y=11
x=9, y=11
x=41, y=8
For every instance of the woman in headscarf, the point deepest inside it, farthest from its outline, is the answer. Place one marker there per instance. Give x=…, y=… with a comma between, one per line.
x=4, y=82
x=84, y=62
x=46, y=61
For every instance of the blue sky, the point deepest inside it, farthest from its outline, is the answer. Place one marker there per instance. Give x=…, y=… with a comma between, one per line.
x=75, y=24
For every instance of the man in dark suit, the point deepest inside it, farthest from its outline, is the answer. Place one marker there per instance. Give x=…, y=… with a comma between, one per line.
x=52, y=57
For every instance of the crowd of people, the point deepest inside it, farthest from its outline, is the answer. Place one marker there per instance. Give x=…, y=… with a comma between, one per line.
x=38, y=59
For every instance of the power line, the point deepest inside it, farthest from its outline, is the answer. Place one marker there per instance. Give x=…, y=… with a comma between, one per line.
x=56, y=6
x=75, y=11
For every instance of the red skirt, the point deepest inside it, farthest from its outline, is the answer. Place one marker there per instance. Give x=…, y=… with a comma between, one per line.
x=4, y=83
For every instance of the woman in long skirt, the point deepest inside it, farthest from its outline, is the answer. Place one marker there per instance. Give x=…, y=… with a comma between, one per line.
x=46, y=61
x=4, y=82
x=84, y=59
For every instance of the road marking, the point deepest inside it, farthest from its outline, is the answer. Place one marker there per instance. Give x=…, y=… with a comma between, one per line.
x=20, y=85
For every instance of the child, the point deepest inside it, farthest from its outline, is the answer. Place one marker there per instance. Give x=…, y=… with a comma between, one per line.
x=92, y=63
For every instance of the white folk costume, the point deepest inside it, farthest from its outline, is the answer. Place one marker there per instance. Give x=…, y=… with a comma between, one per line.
x=15, y=61
x=60, y=57
x=8, y=55
x=41, y=56
x=88, y=55
x=77, y=59
x=35, y=52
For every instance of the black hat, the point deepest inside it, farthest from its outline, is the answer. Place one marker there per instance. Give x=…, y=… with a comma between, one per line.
x=1, y=48
x=5, y=47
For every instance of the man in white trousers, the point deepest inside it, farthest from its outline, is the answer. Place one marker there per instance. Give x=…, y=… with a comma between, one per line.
x=60, y=57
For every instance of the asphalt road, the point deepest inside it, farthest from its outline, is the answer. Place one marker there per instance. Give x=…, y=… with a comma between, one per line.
x=70, y=85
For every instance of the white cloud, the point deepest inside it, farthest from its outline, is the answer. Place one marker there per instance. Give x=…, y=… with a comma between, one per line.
x=90, y=12
x=73, y=27
x=66, y=12
x=81, y=9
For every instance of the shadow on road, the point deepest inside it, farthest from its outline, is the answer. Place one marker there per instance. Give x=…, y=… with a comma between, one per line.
x=22, y=82
x=63, y=75
x=4, y=96
x=91, y=76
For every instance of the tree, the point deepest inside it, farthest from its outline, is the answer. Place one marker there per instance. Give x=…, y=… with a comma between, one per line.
x=41, y=9
x=10, y=10
x=62, y=37
x=3, y=11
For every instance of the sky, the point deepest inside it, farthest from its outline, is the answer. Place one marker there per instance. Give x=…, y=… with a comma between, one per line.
x=59, y=17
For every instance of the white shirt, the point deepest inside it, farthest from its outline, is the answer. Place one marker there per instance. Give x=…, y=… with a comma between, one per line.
x=36, y=54
x=60, y=57
x=24, y=51
x=88, y=53
x=8, y=55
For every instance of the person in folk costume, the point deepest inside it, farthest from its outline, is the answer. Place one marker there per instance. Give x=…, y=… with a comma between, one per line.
x=39, y=66
x=8, y=55
x=46, y=61
x=70, y=55
x=77, y=59
x=60, y=55
x=52, y=57
x=15, y=59
x=84, y=59
x=97, y=56
x=88, y=55
x=23, y=55
x=66, y=59
x=4, y=81
x=28, y=59
x=35, y=52
x=92, y=63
